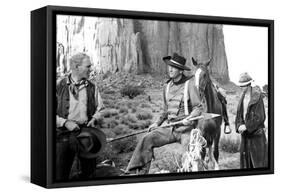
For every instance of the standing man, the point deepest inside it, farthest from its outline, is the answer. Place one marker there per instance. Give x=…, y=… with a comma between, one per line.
x=79, y=106
x=249, y=123
x=180, y=98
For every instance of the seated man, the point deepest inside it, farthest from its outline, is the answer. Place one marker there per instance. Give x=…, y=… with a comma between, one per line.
x=79, y=105
x=180, y=98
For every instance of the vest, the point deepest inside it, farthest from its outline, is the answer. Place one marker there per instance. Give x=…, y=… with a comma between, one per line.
x=176, y=97
x=63, y=99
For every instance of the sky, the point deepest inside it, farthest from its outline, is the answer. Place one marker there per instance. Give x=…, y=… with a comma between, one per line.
x=246, y=50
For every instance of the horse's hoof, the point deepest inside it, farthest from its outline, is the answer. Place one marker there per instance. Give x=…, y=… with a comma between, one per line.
x=227, y=129
x=217, y=166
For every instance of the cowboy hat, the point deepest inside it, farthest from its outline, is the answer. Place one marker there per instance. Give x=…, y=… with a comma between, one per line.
x=245, y=79
x=91, y=142
x=176, y=61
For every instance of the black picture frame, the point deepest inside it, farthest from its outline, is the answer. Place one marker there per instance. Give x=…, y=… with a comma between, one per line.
x=43, y=85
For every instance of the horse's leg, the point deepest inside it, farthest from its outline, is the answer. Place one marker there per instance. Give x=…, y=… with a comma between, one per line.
x=216, y=146
x=203, y=153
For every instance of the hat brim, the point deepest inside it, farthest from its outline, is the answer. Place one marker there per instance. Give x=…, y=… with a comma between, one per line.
x=97, y=137
x=245, y=83
x=168, y=61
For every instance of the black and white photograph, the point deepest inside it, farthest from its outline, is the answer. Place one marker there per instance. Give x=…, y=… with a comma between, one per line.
x=144, y=97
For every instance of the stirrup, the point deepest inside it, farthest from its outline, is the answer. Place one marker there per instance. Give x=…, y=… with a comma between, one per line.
x=227, y=132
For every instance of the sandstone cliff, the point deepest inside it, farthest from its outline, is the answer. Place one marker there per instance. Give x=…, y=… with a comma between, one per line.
x=137, y=46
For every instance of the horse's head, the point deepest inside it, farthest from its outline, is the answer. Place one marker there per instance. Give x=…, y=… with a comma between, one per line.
x=201, y=75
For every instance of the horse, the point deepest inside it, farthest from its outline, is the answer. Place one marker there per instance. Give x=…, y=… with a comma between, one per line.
x=211, y=128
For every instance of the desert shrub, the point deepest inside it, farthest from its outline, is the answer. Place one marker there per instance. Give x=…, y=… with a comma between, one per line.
x=108, y=96
x=120, y=129
x=139, y=124
x=110, y=103
x=109, y=92
x=134, y=110
x=131, y=91
x=131, y=118
x=125, y=145
x=145, y=105
x=100, y=121
x=265, y=88
x=128, y=119
x=144, y=115
x=112, y=123
x=106, y=75
x=129, y=104
x=123, y=110
x=109, y=113
x=144, y=124
x=107, y=102
x=230, y=145
x=134, y=126
x=117, y=117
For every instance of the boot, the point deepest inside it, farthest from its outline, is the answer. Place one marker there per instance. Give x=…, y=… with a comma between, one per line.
x=139, y=171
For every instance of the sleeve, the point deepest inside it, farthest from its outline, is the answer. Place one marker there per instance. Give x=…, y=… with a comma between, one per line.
x=239, y=120
x=59, y=120
x=257, y=116
x=98, y=104
x=164, y=115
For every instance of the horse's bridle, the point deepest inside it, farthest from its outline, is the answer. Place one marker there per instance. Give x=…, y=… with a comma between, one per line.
x=201, y=88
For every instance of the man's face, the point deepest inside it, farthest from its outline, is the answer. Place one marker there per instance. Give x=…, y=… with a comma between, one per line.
x=173, y=72
x=84, y=69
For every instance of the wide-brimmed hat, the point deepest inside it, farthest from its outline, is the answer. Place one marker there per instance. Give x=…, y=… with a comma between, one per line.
x=92, y=142
x=245, y=79
x=176, y=61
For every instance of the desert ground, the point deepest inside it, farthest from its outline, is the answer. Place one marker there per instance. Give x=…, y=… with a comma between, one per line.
x=133, y=102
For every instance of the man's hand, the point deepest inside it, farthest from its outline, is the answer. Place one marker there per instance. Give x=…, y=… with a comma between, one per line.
x=71, y=125
x=186, y=121
x=92, y=122
x=242, y=128
x=152, y=126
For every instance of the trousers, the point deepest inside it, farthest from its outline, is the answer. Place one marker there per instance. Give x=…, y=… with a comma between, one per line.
x=143, y=152
x=69, y=165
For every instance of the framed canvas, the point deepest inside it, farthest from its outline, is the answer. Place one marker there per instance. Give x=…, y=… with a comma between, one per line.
x=125, y=96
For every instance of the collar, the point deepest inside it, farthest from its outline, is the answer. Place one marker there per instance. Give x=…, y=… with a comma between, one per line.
x=255, y=95
x=69, y=81
x=181, y=81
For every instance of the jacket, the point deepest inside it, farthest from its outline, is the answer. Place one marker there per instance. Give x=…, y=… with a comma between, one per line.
x=253, y=149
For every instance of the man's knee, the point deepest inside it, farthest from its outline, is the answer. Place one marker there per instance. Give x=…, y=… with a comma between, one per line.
x=147, y=138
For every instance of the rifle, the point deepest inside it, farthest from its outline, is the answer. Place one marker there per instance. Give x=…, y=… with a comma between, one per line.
x=205, y=116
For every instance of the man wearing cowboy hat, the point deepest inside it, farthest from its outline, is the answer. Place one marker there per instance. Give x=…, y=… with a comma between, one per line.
x=79, y=106
x=180, y=98
x=249, y=123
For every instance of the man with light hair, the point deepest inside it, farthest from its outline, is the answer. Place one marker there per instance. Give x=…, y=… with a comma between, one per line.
x=79, y=106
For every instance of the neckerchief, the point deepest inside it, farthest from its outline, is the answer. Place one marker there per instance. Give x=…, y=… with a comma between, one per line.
x=76, y=87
